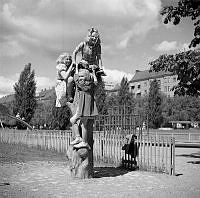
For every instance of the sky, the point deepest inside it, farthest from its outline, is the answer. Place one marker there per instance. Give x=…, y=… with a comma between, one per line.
x=132, y=34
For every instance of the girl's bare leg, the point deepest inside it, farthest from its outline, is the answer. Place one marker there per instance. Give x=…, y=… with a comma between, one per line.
x=78, y=139
x=70, y=84
x=84, y=143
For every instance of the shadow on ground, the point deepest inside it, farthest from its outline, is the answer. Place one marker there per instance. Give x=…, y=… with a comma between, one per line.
x=192, y=155
x=109, y=172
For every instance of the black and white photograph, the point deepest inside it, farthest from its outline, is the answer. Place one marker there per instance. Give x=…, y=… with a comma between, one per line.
x=99, y=98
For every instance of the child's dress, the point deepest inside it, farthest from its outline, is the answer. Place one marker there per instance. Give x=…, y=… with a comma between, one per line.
x=84, y=102
x=60, y=87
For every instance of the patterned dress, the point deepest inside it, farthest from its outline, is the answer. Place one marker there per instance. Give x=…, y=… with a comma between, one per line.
x=60, y=87
x=84, y=102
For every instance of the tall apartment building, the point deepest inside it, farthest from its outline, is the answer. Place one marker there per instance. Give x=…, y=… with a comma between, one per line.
x=140, y=83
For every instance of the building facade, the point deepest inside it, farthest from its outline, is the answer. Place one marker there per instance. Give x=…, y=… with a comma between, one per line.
x=140, y=83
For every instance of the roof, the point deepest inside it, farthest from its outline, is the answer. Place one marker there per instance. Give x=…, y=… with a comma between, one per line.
x=146, y=75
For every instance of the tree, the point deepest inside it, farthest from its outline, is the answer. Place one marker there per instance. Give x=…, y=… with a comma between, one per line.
x=167, y=110
x=100, y=98
x=111, y=100
x=141, y=106
x=60, y=117
x=185, y=8
x=186, y=65
x=185, y=108
x=25, y=94
x=43, y=114
x=154, y=105
x=124, y=95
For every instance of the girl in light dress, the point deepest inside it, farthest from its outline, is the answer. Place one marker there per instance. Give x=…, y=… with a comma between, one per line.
x=64, y=79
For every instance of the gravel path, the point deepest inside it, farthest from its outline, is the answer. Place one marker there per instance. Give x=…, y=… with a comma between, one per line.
x=33, y=173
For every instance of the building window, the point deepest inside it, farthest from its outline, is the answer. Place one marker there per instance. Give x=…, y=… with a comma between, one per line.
x=133, y=87
x=174, y=79
x=145, y=84
x=139, y=86
x=165, y=88
x=169, y=89
x=145, y=91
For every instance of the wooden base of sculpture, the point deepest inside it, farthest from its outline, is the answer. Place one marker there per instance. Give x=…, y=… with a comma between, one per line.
x=81, y=159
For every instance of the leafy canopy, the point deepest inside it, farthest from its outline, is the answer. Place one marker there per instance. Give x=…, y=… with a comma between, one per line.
x=124, y=96
x=185, y=8
x=186, y=65
x=154, y=105
x=25, y=94
x=100, y=98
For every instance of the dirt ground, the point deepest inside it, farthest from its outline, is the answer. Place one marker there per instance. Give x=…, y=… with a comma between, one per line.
x=28, y=172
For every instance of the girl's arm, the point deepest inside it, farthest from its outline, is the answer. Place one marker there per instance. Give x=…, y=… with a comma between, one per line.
x=66, y=74
x=79, y=48
x=99, y=60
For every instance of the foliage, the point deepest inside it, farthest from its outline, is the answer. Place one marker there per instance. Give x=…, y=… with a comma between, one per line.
x=25, y=94
x=141, y=106
x=186, y=108
x=3, y=110
x=43, y=114
x=60, y=117
x=154, y=105
x=186, y=65
x=185, y=8
x=100, y=98
x=111, y=100
x=124, y=96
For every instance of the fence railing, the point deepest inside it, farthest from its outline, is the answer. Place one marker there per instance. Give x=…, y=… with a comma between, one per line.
x=154, y=154
x=53, y=140
x=119, y=123
x=179, y=136
x=157, y=154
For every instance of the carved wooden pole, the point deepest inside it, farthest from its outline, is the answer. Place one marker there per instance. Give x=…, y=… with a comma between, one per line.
x=81, y=159
x=84, y=110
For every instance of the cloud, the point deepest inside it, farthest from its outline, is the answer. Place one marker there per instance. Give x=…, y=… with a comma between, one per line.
x=165, y=46
x=7, y=83
x=37, y=31
x=44, y=82
x=53, y=25
x=11, y=48
x=185, y=47
x=115, y=76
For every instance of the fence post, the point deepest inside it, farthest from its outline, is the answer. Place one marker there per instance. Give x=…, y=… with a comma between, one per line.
x=173, y=153
x=151, y=153
x=189, y=136
x=166, y=154
x=155, y=139
x=172, y=156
